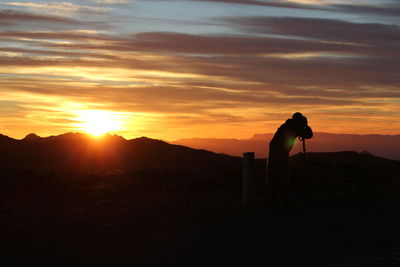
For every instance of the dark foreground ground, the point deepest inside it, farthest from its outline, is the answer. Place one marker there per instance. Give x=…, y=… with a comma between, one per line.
x=153, y=218
x=334, y=236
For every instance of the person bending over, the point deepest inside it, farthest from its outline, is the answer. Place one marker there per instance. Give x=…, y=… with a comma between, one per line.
x=278, y=160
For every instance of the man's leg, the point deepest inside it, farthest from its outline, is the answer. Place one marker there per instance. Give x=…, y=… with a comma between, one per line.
x=283, y=192
x=273, y=180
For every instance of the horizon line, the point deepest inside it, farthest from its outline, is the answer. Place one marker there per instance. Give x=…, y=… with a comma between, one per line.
x=218, y=138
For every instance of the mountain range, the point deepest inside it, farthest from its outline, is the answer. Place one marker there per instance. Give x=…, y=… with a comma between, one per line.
x=82, y=152
x=387, y=146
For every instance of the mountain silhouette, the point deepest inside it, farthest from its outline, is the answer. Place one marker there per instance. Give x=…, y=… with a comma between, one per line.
x=82, y=152
x=31, y=137
x=387, y=146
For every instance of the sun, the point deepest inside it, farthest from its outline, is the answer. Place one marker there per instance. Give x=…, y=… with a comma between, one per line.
x=98, y=122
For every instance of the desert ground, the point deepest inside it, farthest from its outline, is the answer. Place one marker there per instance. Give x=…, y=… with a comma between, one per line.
x=344, y=213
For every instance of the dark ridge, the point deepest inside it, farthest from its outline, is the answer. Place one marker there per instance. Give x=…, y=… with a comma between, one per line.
x=6, y=138
x=82, y=152
x=31, y=137
x=360, y=159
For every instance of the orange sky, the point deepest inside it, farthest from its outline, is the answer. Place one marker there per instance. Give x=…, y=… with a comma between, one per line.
x=177, y=69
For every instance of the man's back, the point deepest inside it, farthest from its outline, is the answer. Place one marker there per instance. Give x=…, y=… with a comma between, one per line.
x=288, y=132
x=284, y=137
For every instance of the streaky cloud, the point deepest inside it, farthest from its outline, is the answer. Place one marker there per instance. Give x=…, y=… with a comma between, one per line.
x=9, y=16
x=322, y=29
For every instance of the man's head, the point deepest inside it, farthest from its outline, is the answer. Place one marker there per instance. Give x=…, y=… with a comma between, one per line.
x=299, y=119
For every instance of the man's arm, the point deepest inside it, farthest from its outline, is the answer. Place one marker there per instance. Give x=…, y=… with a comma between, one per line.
x=307, y=132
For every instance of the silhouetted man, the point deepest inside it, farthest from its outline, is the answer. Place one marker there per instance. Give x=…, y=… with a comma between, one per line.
x=278, y=160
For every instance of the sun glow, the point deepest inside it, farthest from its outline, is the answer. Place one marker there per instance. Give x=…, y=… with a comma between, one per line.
x=98, y=122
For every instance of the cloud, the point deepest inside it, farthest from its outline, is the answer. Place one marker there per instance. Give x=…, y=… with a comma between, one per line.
x=266, y=3
x=169, y=99
x=68, y=35
x=237, y=58
x=321, y=29
x=250, y=77
x=392, y=10
x=108, y=2
x=362, y=8
x=15, y=19
x=216, y=45
x=8, y=17
x=46, y=52
x=58, y=7
x=318, y=37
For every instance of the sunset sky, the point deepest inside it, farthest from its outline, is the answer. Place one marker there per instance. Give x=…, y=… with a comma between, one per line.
x=177, y=69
